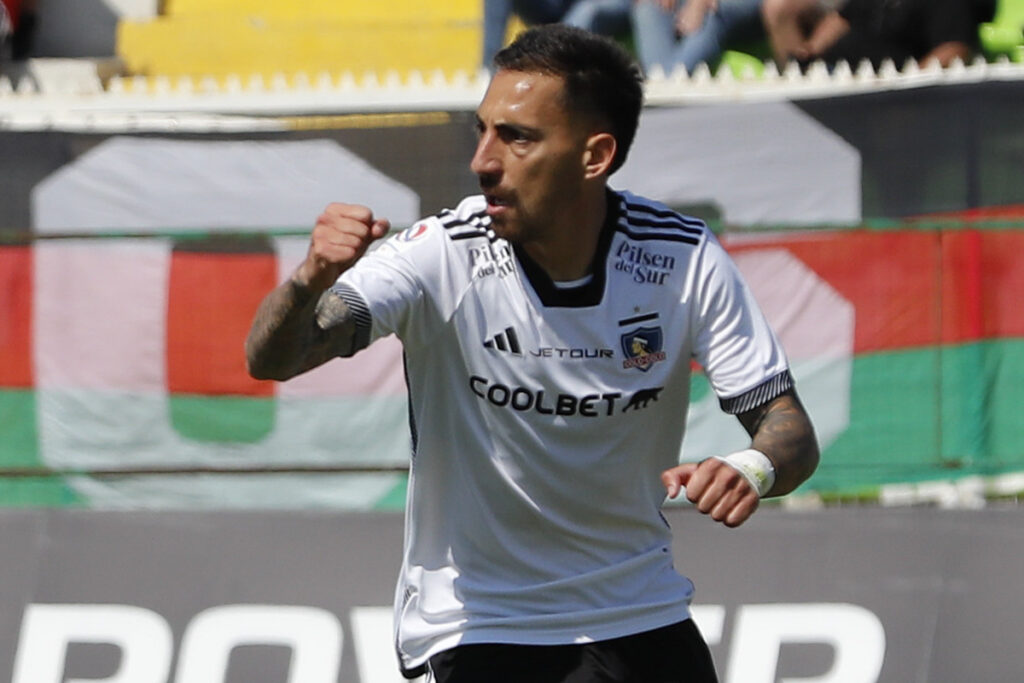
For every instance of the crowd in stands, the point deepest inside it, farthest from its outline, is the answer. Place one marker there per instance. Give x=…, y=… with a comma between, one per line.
x=667, y=34
x=606, y=17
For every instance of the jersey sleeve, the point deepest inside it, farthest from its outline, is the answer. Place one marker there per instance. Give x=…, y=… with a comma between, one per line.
x=744, y=361
x=388, y=289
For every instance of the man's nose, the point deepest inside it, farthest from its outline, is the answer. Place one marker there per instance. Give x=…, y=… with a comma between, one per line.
x=485, y=162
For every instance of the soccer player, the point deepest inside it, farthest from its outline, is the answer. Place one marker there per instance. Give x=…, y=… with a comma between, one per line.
x=549, y=326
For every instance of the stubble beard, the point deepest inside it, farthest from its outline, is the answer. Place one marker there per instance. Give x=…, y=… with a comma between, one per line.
x=517, y=228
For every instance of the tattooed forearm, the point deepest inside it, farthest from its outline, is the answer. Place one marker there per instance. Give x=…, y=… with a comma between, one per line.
x=782, y=430
x=296, y=329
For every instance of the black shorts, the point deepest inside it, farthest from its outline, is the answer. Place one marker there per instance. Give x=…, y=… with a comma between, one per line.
x=673, y=654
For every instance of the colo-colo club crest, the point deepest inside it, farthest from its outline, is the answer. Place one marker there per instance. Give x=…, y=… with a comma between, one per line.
x=642, y=347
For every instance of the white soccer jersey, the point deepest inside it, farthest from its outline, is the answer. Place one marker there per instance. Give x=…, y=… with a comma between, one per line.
x=543, y=417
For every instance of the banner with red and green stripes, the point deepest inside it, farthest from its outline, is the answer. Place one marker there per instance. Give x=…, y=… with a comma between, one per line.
x=122, y=378
x=938, y=351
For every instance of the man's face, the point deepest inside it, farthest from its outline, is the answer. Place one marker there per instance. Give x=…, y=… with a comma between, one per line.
x=530, y=156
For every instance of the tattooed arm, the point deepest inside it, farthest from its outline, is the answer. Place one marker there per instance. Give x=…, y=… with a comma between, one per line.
x=296, y=329
x=781, y=430
x=302, y=324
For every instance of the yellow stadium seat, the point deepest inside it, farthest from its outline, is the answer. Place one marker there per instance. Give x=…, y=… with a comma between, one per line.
x=222, y=37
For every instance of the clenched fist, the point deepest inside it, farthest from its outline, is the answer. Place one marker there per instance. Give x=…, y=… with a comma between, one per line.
x=342, y=234
x=715, y=488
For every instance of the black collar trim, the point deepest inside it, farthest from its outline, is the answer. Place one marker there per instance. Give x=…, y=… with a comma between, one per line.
x=589, y=294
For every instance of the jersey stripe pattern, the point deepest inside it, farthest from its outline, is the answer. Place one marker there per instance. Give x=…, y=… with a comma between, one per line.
x=660, y=224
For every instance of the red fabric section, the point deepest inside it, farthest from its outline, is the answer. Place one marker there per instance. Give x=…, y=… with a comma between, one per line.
x=211, y=302
x=15, y=317
x=918, y=288
x=1002, y=283
x=961, y=286
x=890, y=277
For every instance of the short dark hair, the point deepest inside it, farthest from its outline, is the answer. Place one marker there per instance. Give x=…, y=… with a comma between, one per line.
x=601, y=78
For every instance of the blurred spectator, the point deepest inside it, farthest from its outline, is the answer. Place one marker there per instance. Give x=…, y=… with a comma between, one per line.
x=606, y=17
x=17, y=26
x=668, y=35
x=789, y=24
x=6, y=31
x=876, y=30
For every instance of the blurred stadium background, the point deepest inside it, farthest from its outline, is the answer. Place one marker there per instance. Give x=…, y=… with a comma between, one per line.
x=160, y=166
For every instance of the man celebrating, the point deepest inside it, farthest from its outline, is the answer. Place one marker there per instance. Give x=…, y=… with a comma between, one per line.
x=548, y=326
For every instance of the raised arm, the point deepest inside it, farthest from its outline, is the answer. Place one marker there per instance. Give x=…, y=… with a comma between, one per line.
x=301, y=324
x=781, y=430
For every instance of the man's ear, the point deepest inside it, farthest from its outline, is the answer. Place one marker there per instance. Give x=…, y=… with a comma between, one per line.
x=599, y=154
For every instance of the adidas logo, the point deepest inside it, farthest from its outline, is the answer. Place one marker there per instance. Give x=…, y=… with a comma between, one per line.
x=506, y=341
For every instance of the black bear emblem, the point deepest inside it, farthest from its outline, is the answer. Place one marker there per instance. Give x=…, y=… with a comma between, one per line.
x=641, y=398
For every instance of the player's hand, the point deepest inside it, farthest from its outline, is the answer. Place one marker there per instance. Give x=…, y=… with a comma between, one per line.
x=340, y=238
x=715, y=488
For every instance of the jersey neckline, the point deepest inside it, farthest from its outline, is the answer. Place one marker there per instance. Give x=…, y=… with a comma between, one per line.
x=588, y=294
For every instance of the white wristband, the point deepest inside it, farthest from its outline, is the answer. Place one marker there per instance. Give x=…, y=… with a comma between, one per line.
x=755, y=467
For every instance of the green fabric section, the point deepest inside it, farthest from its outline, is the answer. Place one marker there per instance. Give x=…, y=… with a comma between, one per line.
x=395, y=498
x=894, y=422
x=936, y=413
x=18, y=441
x=37, y=492
x=231, y=419
x=19, y=448
x=1003, y=366
x=966, y=392
x=699, y=387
